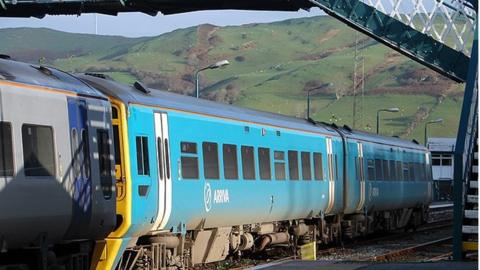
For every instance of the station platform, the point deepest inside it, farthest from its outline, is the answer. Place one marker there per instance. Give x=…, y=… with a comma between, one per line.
x=330, y=265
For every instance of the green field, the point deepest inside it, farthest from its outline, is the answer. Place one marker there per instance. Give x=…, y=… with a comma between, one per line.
x=272, y=68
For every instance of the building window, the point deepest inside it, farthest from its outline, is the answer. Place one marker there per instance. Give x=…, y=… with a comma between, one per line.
x=293, y=165
x=279, y=157
x=143, y=164
x=189, y=160
x=230, y=162
x=371, y=169
x=317, y=166
x=38, y=150
x=248, y=162
x=306, y=166
x=264, y=163
x=210, y=160
x=6, y=149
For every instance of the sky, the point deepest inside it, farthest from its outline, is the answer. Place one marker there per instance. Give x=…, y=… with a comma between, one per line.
x=139, y=24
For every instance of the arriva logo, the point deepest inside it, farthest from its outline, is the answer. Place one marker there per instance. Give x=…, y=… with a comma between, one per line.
x=217, y=196
x=207, y=197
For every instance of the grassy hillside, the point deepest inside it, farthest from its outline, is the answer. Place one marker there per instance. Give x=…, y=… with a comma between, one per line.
x=272, y=68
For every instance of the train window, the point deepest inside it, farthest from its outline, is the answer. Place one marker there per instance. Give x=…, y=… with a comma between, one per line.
x=38, y=150
x=167, y=158
x=317, y=166
x=143, y=165
x=411, y=170
x=188, y=147
x=306, y=166
x=114, y=113
x=189, y=162
x=398, y=169
x=386, y=174
x=406, y=173
x=86, y=154
x=378, y=169
x=279, y=165
x=293, y=165
x=391, y=166
x=248, y=162
x=75, y=153
x=264, y=163
x=104, y=162
x=336, y=167
x=371, y=169
x=230, y=162
x=210, y=160
x=159, y=157
x=423, y=175
x=116, y=145
x=189, y=167
x=6, y=149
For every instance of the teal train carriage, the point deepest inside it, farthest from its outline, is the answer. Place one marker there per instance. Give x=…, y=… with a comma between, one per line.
x=202, y=180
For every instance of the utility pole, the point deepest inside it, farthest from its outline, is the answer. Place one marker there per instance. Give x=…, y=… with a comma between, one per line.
x=358, y=81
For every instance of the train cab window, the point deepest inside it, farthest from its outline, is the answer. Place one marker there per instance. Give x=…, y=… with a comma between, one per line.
x=398, y=169
x=317, y=166
x=293, y=165
x=371, y=169
x=143, y=165
x=38, y=150
x=306, y=166
x=391, y=166
x=189, y=160
x=248, y=162
x=279, y=157
x=264, y=163
x=104, y=161
x=378, y=169
x=386, y=171
x=436, y=159
x=210, y=160
x=230, y=162
x=6, y=149
x=406, y=173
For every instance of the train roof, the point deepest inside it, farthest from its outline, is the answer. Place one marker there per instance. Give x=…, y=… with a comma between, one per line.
x=20, y=72
x=152, y=97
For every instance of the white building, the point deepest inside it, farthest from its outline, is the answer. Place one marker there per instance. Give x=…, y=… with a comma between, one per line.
x=442, y=150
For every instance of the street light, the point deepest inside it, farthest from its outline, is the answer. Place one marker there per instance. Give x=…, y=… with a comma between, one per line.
x=385, y=110
x=437, y=121
x=212, y=66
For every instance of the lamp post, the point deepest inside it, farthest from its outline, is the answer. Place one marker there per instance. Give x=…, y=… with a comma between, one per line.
x=212, y=66
x=385, y=110
x=437, y=121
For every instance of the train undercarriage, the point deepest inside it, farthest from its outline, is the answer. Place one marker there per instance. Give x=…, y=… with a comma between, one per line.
x=171, y=251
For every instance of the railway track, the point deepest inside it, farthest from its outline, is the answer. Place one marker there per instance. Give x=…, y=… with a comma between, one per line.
x=391, y=255
x=380, y=243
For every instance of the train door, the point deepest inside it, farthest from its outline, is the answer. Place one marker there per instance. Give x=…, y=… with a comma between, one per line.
x=331, y=176
x=80, y=166
x=360, y=176
x=120, y=178
x=164, y=177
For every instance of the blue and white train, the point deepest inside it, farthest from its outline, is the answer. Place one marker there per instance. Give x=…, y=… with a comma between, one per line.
x=196, y=181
